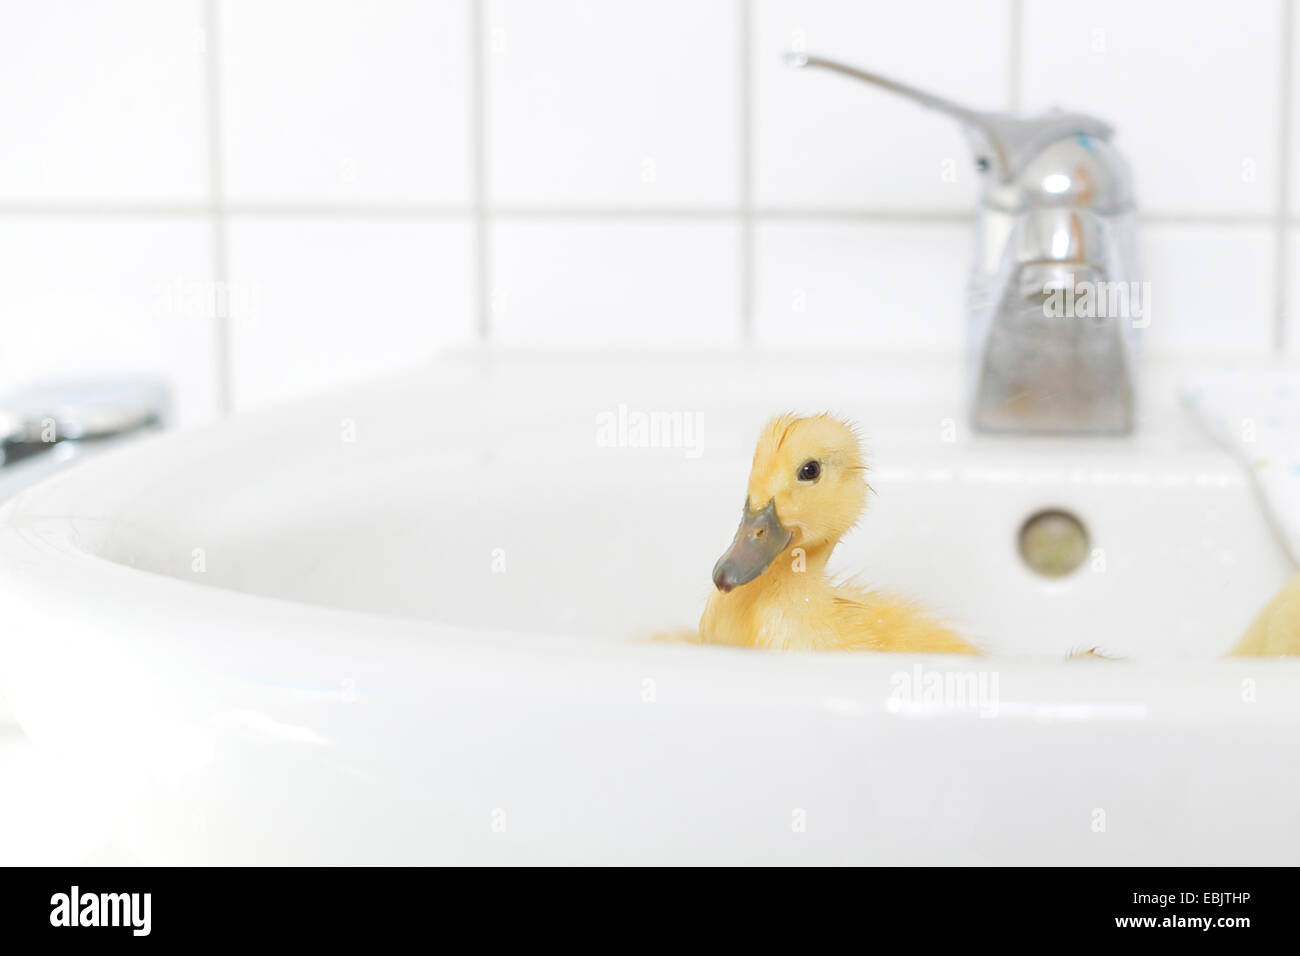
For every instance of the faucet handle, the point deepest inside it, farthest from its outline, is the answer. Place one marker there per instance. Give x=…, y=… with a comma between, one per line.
x=1003, y=144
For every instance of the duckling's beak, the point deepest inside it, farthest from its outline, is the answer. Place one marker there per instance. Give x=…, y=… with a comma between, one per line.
x=759, y=539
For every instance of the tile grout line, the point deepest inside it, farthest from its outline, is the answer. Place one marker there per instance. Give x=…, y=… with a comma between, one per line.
x=478, y=149
x=1016, y=52
x=436, y=211
x=216, y=210
x=1281, y=241
x=746, y=184
x=360, y=210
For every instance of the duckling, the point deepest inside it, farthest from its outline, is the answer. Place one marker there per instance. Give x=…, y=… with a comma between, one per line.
x=807, y=488
x=1276, y=631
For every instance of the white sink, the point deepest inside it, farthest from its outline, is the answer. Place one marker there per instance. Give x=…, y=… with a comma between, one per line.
x=401, y=624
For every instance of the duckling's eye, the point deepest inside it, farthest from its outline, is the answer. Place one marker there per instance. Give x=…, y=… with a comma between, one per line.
x=810, y=471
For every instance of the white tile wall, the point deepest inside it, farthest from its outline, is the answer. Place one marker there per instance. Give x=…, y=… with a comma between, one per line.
x=615, y=283
x=888, y=285
x=368, y=181
x=329, y=100
x=1211, y=288
x=598, y=103
x=102, y=101
x=321, y=301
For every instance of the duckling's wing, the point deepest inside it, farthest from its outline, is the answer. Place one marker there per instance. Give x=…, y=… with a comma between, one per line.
x=869, y=620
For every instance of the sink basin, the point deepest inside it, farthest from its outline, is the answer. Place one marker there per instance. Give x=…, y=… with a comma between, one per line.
x=406, y=623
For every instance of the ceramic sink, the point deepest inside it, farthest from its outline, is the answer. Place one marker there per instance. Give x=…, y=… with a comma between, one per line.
x=406, y=622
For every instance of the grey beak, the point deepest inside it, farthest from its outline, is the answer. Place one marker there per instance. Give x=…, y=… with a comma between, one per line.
x=759, y=539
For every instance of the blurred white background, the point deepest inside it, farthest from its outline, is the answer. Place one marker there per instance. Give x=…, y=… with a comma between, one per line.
x=258, y=199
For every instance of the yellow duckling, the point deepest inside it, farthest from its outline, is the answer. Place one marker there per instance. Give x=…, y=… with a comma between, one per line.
x=1276, y=631
x=807, y=488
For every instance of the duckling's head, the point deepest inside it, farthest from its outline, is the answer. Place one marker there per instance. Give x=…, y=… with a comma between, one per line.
x=807, y=488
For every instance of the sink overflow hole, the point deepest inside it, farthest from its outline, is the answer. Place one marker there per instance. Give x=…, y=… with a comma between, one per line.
x=1053, y=543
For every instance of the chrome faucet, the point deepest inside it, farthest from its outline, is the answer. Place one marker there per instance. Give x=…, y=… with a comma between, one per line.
x=45, y=428
x=1055, y=304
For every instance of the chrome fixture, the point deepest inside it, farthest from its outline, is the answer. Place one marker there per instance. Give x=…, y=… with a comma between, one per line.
x=1055, y=304
x=44, y=428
